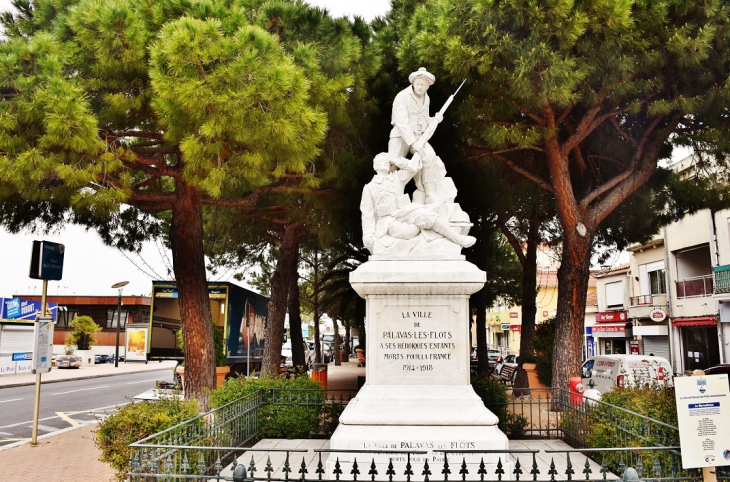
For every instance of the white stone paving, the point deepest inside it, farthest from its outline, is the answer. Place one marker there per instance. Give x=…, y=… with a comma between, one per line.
x=311, y=459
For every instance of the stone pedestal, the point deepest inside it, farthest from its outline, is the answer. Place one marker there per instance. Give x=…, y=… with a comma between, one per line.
x=417, y=395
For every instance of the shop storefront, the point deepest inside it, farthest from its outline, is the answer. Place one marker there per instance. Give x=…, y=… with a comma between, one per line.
x=612, y=333
x=654, y=334
x=699, y=342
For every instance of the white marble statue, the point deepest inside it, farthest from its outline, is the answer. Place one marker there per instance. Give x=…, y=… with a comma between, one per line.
x=432, y=223
x=410, y=119
x=392, y=224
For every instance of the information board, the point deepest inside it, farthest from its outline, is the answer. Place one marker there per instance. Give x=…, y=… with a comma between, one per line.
x=43, y=345
x=703, y=409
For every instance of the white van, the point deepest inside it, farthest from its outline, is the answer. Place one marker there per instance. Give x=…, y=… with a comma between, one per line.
x=605, y=372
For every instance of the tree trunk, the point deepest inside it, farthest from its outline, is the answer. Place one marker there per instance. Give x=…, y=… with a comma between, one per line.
x=316, y=313
x=573, y=278
x=280, y=285
x=348, y=345
x=295, y=325
x=480, y=305
x=336, y=349
x=529, y=301
x=360, y=321
x=186, y=243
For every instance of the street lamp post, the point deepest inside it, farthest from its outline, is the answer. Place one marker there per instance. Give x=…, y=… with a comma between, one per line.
x=119, y=285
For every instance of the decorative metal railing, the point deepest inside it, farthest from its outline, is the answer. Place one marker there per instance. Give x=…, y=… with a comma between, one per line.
x=721, y=276
x=309, y=465
x=186, y=448
x=210, y=446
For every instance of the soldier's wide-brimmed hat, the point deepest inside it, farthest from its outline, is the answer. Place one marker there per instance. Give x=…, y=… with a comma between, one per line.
x=422, y=72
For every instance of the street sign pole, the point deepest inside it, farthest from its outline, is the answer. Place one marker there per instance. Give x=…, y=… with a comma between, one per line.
x=37, y=404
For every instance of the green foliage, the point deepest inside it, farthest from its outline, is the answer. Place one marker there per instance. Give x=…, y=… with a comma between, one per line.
x=84, y=327
x=303, y=412
x=134, y=422
x=495, y=398
x=543, y=349
x=220, y=347
x=605, y=426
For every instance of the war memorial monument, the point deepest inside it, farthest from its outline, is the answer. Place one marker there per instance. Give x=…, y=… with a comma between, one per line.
x=417, y=395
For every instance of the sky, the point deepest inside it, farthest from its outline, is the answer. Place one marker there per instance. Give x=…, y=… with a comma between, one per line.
x=90, y=268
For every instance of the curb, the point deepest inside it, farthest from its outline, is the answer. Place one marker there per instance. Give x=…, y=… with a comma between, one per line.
x=76, y=378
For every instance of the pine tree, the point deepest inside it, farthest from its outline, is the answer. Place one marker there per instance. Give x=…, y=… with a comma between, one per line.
x=167, y=108
x=599, y=88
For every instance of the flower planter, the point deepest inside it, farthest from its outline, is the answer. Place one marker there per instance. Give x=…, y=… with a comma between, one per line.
x=220, y=375
x=360, y=355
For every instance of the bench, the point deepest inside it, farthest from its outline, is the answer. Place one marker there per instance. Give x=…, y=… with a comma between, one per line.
x=506, y=375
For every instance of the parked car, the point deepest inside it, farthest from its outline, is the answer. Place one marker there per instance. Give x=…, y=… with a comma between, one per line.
x=492, y=356
x=510, y=361
x=286, y=354
x=719, y=370
x=104, y=359
x=606, y=372
x=68, y=361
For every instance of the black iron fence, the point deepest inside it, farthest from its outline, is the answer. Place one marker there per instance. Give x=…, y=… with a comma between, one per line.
x=210, y=446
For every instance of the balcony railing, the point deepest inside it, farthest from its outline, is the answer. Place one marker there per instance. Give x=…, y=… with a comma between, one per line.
x=695, y=287
x=722, y=279
x=640, y=300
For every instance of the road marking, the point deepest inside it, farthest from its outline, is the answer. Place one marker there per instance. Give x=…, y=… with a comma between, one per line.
x=143, y=381
x=65, y=417
x=47, y=428
x=12, y=439
x=11, y=400
x=80, y=390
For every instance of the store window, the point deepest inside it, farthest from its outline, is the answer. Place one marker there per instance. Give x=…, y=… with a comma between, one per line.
x=700, y=348
x=112, y=316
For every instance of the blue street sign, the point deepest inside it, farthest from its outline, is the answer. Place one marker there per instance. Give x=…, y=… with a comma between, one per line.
x=46, y=261
x=23, y=356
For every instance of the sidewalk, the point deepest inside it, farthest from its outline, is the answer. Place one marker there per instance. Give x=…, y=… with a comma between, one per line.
x=70, y=455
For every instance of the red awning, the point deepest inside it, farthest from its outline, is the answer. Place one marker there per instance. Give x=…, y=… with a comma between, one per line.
x=696, y=321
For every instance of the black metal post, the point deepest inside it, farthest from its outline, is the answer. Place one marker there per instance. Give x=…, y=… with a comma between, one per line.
x=119, y=320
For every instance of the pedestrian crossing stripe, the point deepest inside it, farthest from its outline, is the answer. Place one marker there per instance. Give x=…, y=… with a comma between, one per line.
x=65, y=417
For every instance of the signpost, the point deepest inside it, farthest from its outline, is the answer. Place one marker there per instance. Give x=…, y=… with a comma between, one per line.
x=703, y=409
x=43, y=344
x=46, y=262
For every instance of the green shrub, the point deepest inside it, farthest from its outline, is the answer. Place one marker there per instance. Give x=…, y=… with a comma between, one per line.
x=514, y=425
x=134, y=422
x=302, y=412
x=495, y=398
x=84, y=327
x=605, y=426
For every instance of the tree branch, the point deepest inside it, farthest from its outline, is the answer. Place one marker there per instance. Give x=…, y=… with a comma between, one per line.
x=480, y=152
x=631, y=170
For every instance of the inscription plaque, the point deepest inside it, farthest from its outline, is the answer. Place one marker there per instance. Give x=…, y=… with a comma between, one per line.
x=418, y=344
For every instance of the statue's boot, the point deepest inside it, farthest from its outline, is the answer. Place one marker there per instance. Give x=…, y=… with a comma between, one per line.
x=439, y=226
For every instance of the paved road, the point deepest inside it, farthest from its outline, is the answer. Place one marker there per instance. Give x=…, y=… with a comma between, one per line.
x=70, y=403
